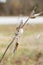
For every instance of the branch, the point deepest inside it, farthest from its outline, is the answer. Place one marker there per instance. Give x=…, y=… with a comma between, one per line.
x=12, y=42
x=7, y=49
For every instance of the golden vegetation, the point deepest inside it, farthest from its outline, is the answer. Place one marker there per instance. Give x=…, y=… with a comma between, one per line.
x=28, y=51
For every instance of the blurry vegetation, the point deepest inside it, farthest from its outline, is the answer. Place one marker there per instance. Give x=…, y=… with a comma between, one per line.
x=29, y=29
x=27, y=52
x=20, y=7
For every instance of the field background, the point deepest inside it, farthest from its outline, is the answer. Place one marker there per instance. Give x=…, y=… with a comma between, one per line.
x=29, y=45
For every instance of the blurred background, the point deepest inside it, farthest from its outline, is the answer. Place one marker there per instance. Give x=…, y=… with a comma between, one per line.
x=19, y=7
x=30, y=48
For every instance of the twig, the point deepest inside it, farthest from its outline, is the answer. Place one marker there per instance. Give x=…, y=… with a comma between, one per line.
x=7, y=49
x=12, y=42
